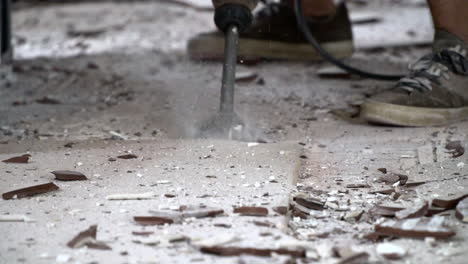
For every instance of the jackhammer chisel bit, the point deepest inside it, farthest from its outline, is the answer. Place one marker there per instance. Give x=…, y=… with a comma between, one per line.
x=231, y=17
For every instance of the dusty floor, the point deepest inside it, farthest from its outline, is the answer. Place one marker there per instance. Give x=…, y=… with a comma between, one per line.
x=129, y=87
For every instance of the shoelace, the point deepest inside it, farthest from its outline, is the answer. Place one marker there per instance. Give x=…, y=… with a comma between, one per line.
x=430, y=68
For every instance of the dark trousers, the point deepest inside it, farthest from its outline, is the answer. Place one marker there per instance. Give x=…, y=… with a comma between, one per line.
x=5, y=31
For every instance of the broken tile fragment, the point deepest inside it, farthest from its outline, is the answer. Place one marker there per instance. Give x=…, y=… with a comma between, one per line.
x=455, y=148
x=127, y=156
x=117, y=136
x=30, y=191
x=448, y=203
x=349, y=256
x=392, y=178
x=86, y=32
x=390, y=251
x=309, y=202
x=414, y=184
x=222, y=225
x=131, y=196
x=357, y=185
x=263, y=252
x=198, y=212
x=299, y=210
x=415, y=228
x=374, y=237
x=149, y=241
x=213, y=240
x=69, y=145
x=15, y=218
x=333, y=72
x=418, y=210
x=67, y=175
x=152, y=220
x=251, y=211
x=88, y=238
x=360, y=18
x=142, y=233
x=264, y=223
x=281, y=210
x=461, y=211
x=19, y=159
x=387, y=211
x=382, y=170
x=432, y=210
x=47, y=100
x=353, y=216
x=188, y=212
x=385, y=191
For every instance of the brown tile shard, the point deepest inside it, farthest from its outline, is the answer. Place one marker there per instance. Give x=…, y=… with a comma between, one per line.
x=188, y=212
x=264, y=224
x=142, y=233
x=66, y=175
x=152, y=220
x=455, y=148
x=418, y=210
x=98, y=245
x=246, y=77
x=391, y=178
x=309, y=202
x=201, y=212
x=382, y=170
x=434, y=210
x=448, y=203
x=222, y=225
x=47, y=100
x=30, y=191
x=414, y=184
x=251, y=211
x=281, y=210
x=19, y=159
x=88, y=238
x=388, y=211
x=127, y=156
x=299, y=210
x=374, y=237
x=357, y=185
x=385, y=191
x=357, y=258
x=415, y=228
x=461, y=211
x=264, y=252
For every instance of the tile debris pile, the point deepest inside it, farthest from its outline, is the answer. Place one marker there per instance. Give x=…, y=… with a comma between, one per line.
x=373, y=214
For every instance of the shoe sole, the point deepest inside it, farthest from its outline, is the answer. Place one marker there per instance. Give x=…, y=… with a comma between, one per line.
x=410, y=116
x=212, y=48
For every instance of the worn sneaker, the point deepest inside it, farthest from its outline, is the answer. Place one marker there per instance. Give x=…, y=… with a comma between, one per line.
x=275, y=35
x=434, y=93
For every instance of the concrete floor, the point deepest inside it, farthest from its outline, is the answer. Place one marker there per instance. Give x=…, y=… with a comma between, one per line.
x=134, y=80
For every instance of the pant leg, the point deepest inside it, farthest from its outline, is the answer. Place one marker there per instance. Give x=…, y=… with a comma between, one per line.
x=5, y=31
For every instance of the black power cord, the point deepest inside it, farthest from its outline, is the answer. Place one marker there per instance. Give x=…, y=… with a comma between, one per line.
x=302, y=24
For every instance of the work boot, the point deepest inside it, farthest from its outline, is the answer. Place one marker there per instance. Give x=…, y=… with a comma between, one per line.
x=274, y=35
x=434, y=93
